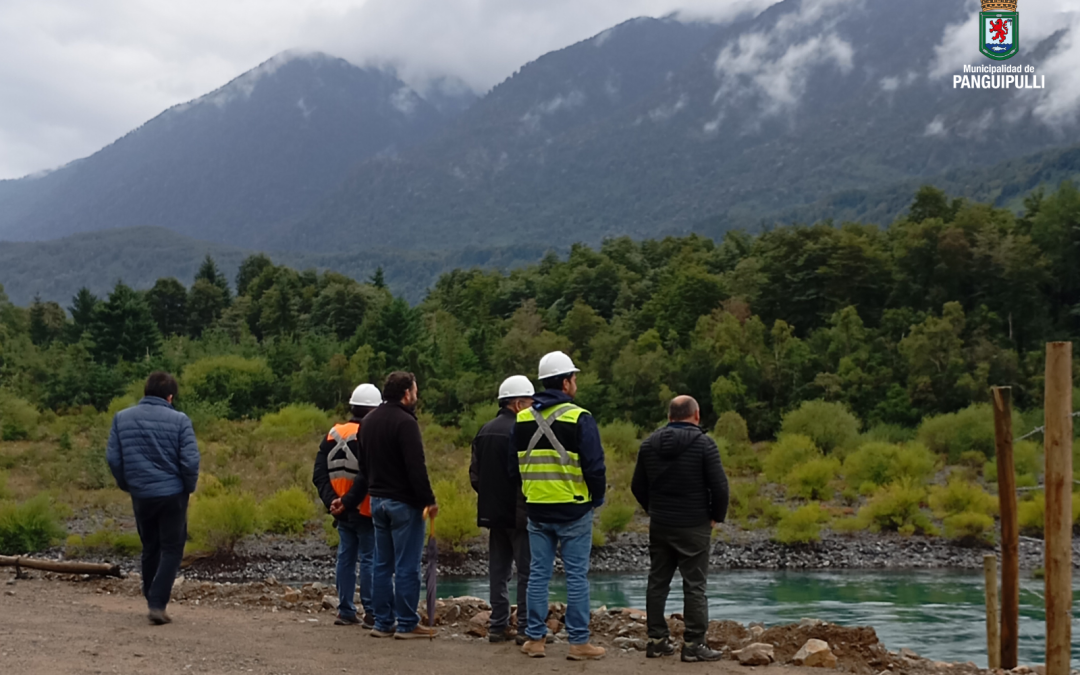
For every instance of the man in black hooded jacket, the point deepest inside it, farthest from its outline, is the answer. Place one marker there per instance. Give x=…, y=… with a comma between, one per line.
x=681, y=484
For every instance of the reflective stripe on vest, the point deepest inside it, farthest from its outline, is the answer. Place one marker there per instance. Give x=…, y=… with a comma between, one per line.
x=550, y=473
x=342, y=464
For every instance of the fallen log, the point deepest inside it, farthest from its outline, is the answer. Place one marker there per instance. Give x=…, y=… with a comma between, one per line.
x=63, y=567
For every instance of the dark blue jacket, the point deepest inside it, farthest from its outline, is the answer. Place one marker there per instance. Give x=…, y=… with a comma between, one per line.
x=152, y=450
x=590, y=453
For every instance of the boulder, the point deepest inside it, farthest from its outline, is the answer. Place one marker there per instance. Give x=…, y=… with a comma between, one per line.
x=630, y=643
x=815, y=654
x=291, y=596
x=756, y=631
x=328, y=602
x=478, y=625
x=554, y=625
x=756, y=654
x=909, y=654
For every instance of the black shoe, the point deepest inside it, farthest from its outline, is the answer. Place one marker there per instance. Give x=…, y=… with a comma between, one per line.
x=658, y=648
x=520, y=639
x=504, y=635
x=347, y=620
x=695, y=653
x=369, y=622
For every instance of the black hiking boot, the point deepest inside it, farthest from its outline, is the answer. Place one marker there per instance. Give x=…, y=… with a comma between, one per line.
x=658, y=648
x=504, y=635
x=699, y=652
x=343, y=620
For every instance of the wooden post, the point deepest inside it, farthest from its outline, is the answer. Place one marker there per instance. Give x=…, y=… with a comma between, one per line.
x=1010, y=530
x=993, y=637
x=1058, y=532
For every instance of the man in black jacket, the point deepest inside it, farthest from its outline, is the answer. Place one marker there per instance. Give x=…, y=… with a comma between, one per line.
x=680, y=483
x=393, y=471
x=500, y=507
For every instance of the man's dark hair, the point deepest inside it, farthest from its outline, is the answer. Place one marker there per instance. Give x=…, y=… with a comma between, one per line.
x=161, y=384
x=398, y=383
x=555, y=381
x=682, y=407
x=360, y=411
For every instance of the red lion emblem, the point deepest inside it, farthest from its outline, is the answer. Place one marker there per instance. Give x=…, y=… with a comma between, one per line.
x=1000, y=29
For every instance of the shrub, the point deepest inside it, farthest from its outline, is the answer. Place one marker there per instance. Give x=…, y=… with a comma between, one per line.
x=615, y=515
x=896, y=507
x=969, y=526
x=3, y=486
x=888, y=433
x=959, y=496
x=104, y=542
x=286, y=511
x=801, y=526
x=829, y=425
x=952, y=434
x=18, y=418
x=299, y=420
x=456, y=522
x=786, y=453
x=476, y=417
x=750, y=508
x=333, y=537
x=877, y=464
x=1027, y=464
x=598, y=538
x=620, y=440
x=732, y=427
x=738, y=460
x=29, y=527
x=219, y=522
x=1031, y=514
x=243, y=385
x=813, y=480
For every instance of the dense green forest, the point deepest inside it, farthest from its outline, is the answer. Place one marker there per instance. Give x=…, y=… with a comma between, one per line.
x=916, y=319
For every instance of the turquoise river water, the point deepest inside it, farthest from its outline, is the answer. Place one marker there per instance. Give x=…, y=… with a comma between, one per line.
x=939, y=614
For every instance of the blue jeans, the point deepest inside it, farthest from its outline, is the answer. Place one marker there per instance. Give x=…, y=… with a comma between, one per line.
x=574, y=540
x=356, y=543
x=399, y=543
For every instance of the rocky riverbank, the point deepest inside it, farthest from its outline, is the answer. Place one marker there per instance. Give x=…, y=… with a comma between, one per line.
x=310, y=559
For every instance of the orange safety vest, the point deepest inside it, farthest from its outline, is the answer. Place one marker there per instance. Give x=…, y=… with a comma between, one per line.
x=343, y=464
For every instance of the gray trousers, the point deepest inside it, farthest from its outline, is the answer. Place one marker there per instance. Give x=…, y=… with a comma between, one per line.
x=685, y=548
x=508, y=547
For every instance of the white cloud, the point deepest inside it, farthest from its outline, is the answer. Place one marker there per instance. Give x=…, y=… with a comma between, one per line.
x=936, y=127
x=531, y=119
x=666, y=112
x=890, y=83
x=405, y=101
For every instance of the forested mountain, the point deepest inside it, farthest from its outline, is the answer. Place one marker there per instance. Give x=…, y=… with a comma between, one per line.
x=773, y=112
x=260, y=150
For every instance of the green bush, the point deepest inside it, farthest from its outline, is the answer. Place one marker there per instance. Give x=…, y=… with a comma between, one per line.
x=813, y=479
x=217, y=523
x=789, y=451
x=738, y=460
x=1031, y=514
x=107, y=541
x=732, y=427
x=877, y=464
x=243, y=385
x=18, y=418
x=621, y=440
x=286, y=511
x=1027, y=464
x=333, y=537
x=953, y=434
x=750, y=508
x=969, y=526
x=29, y=527
x=801, y=526
x=3, y=486
x=829, y=425
x=960, y=496
x=475, y=418
x=598, y=538
x=888, y=433
x=896, y=507
x=295, y=421
x=615, y=515
x=456, y=522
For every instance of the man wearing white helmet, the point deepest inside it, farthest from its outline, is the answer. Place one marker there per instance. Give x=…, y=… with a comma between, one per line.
x=561, y=468
x=336, y=469
x=500, y=507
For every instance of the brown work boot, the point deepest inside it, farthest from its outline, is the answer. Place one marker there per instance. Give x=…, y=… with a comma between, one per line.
x=419, y=632
x=533, y=649
x=585, y=652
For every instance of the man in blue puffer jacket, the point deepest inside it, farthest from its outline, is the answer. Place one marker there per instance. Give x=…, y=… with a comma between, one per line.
x=153, y=456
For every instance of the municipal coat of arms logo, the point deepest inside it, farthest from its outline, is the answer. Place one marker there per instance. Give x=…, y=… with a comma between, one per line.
x=999, y=29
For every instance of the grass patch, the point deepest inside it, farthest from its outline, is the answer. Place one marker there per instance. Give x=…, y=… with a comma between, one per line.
x=29, y=527
x=104, y=542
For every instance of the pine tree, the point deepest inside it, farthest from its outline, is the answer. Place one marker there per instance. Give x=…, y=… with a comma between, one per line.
x=208, y=271
x=378, y=280
x=123, y=327
x=168, y=305
x=82, y=313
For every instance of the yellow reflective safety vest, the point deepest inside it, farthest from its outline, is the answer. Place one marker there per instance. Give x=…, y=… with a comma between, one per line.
x=549, y=464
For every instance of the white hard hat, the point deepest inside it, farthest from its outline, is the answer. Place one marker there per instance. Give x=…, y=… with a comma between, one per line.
x=516, y=386
x=556, y=363
x=366, y=395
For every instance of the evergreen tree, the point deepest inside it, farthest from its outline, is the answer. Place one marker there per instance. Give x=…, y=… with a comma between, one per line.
x=123, y=327
x=168, y=305
x=47, y=322
x=251, y=269
x=378, y=280
x=205, y=303
x=82, y=313
x=208, y=271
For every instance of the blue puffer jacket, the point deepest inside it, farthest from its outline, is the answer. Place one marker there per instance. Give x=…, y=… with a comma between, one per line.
x=152, y=450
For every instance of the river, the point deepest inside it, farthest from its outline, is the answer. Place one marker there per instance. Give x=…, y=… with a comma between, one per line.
x=939, y=614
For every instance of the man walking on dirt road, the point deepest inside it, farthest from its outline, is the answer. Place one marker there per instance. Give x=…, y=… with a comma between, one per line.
x=561, y=467
x=153, y=456
x=394, y=472
x=500, y=507
x=680, y=483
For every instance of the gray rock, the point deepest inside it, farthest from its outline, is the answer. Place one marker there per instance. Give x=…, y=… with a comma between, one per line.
x=630, y=643
x=756, y=654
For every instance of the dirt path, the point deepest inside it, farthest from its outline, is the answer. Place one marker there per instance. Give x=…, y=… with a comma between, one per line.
x=55, y=627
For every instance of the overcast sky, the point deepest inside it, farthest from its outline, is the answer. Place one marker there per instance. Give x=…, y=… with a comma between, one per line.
x=77, y=74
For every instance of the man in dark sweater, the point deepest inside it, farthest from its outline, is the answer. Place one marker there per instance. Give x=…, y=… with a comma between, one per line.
x=680, y=483
x=393, y=471
x=500, y=507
